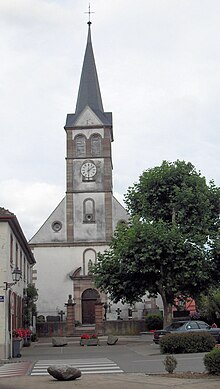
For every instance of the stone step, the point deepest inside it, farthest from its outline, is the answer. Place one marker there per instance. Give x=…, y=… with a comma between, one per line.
x=79, y=330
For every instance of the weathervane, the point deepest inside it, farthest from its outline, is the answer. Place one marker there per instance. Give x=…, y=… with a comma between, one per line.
x=89, y=12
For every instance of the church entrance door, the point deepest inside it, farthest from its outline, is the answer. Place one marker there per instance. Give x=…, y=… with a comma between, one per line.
x=89, y=298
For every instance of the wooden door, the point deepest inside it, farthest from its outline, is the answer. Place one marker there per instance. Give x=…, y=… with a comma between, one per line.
x=89, y=298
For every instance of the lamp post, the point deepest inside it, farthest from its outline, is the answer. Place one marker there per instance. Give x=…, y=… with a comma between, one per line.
x=16, y=276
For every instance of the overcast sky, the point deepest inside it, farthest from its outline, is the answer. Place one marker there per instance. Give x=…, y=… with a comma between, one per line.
x=158, y=64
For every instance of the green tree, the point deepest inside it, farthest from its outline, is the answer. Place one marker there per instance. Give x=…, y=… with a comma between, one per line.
x=208, y=305
x=165, y=248
x=30, y=304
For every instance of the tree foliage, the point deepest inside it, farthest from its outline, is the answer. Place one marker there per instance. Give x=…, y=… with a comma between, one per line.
x=168, y=246
x=30, y=304
x=208, y=305
x=177, y=194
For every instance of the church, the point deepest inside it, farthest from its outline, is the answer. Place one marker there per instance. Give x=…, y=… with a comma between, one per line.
x=84, y=221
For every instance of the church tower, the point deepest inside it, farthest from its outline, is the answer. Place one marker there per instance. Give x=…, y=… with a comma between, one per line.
x=83, y=223
x=89, y=160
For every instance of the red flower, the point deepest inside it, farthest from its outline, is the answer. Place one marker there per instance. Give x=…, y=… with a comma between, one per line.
x=21, y=333
x=85, y=336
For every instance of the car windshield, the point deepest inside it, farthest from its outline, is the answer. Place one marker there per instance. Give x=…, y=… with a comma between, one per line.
x=174, y=326
x=204, y=325
x=192, y=325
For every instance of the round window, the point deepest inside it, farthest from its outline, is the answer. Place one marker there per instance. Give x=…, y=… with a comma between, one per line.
x=57, y=226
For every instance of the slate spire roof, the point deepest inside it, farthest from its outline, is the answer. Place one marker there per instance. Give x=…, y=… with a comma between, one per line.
x=89, y=91
x=89, y=94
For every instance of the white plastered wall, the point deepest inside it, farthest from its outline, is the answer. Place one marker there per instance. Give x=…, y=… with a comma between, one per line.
x=54, y=267
x=89, y=231
x=4, y=254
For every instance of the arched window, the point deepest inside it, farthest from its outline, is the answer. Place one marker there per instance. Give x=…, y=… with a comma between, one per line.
x=96, y=145
x=80, y=145
x=121, y=222
x=89, y=211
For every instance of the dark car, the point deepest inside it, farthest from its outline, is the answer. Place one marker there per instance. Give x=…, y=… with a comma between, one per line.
x=187, y=326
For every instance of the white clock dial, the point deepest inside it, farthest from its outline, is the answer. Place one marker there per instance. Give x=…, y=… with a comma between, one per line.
x=88, y=169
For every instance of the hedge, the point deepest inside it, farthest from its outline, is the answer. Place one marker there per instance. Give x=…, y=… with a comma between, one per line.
x=154, y=321
x=191, y=342
x=212, y=361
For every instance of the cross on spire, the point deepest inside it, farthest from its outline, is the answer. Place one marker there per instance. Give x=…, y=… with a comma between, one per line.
x=89, y=12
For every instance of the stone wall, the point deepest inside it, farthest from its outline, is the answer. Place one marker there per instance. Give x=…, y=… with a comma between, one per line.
x=113, y=327
x=124, y=327
x=50, y=329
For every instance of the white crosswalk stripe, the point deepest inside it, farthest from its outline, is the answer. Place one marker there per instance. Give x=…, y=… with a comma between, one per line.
x=14, y=369
x=87, y=366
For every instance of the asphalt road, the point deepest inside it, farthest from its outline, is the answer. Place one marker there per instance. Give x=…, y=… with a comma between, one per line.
x=132, y=355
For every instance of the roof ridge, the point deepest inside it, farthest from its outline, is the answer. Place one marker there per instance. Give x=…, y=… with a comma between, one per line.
x=5, y=212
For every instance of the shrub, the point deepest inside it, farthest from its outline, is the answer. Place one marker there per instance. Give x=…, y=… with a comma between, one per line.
x=192, y=342
x=154, y=321
x=170, y=363
x=212, y=361
x=33, y=337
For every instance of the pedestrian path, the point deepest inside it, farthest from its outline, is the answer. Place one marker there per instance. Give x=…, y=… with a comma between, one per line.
x=14, y=369
x=87, y=366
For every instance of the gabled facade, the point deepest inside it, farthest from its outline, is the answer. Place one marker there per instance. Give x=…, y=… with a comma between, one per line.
x=15, y=253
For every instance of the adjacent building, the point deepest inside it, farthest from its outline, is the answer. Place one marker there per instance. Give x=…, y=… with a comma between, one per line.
x=16, y=263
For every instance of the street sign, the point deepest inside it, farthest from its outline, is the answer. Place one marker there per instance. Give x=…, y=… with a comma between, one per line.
x=2, y=299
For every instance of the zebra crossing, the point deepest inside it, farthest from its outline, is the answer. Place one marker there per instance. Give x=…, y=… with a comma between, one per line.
x=14, y=369
x=87, y=366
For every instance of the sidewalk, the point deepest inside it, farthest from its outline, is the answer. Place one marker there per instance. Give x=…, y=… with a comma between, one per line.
x=113, y=381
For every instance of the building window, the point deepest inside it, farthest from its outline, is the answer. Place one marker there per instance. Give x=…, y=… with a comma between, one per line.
x=96, y=145
x=56, y=226
x=80, y=142
x=121, y=223
x=11, y=249
x=16, y=255
x=89, y=211
x=20, y=267
x=28, y=274
x=25, y=270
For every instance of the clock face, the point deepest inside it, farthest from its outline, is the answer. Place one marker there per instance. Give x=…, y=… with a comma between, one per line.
x=88, y=169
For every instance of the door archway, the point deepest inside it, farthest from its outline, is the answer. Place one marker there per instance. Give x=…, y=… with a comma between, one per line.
x=88, y=300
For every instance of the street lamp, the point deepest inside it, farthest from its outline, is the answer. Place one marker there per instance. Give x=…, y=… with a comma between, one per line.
x=16, y=276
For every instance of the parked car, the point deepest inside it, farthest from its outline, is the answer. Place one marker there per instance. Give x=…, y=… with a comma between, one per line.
x=187, y=326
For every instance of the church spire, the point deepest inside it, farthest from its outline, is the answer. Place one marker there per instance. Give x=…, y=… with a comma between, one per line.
x=89, y=91
x=89, y=94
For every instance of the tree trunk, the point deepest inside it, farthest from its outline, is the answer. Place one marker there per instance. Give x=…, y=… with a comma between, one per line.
x=168, y=314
